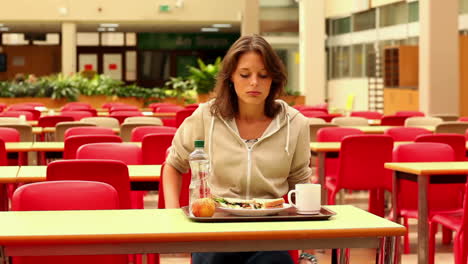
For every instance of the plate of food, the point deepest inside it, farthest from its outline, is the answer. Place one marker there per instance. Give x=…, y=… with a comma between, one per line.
x=253, y=207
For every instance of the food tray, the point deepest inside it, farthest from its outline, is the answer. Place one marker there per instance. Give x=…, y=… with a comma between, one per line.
x=286, y=215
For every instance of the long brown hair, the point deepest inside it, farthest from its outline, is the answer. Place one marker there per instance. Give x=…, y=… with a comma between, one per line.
x=226, y=102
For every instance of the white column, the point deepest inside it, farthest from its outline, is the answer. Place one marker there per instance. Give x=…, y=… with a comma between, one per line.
x=250, y=18
x=312, y=66
x=438, y=57
x=68, y=48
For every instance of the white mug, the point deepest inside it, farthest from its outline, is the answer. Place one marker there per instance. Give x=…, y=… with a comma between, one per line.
x=307, y=198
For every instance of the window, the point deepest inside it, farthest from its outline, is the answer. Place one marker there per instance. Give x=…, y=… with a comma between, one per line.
x=112, y=39
x=357, y=69
x=51, y=39
x=14, y=39
x=87, y=39
x=364, y=20
x=413, y=12
x=153, y=66
x=463, y=6
x=394, y=14
x=341, y=26
x=340, y=62
x=130, y=39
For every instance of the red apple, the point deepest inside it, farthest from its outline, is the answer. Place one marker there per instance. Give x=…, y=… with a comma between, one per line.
x=203, y=207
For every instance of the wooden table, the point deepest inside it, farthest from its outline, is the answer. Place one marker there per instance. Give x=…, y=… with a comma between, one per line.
x=425, y=173
x=381, y=129
x=169, y=231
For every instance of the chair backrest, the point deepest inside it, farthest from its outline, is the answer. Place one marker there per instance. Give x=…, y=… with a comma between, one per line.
x=129, y=154
x=367, y=114
x=29, y=116
x=154, y=147
x=144, y=119
x=168, y=109
x=409, y=113
x=314, y=128
x=439, y=195
x=336, y=134
x=139, y=132
x=25, y=131
x=122, y=115
x=102, y=121
x=72, y=143
x=65, y=195
x=393, y=120
x=87, y=130
x=182, y=114
x=452, y=127
x=362, y=159
x=422, y=121
x=350, y=121
x=3, y=153
x=112, y=172
x=406, y=133
x=313, y=108
x=447, y=117
x=109, y=105
x=461, y=119
x=184, y=190
x=123, y=108
x=52, y=121
x=20, y=106
x=28, y=108
x=127, y=128
x=77, y=115
x=315, y=120
x=457, y=142
x=62, y=127
x=192, y=106
x=8, y=134
x=91, y=111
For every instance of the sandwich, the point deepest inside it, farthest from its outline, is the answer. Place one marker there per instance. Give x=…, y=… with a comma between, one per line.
x=256, y=203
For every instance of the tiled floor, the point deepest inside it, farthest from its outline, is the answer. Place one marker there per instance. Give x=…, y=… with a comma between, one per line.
x=361, y=256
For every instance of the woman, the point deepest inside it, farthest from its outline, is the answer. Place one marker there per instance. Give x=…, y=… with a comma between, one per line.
x=258, y=146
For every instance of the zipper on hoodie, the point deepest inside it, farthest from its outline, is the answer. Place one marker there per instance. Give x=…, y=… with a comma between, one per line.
x=249, y=169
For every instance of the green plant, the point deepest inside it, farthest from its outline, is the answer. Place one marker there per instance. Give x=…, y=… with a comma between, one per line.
x=204, y=77
x=292, y=92
x=62, y=87
x=180, y=88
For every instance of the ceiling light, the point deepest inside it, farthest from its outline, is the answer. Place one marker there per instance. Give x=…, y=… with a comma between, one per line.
x=4, y=29
x=109, y=25
x=222, y=25
x=209, y=29
x=101, y=29
x=110, y=29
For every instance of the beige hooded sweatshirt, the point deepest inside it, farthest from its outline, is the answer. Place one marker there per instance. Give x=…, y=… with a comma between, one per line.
x=269, y=168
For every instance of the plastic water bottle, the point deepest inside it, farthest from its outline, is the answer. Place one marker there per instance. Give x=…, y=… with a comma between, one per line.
x=200, y=167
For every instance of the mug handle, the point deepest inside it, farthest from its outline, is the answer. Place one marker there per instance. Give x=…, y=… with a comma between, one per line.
x=289, y=197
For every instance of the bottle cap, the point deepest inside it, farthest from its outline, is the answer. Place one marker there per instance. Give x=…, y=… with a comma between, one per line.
x=199, y=143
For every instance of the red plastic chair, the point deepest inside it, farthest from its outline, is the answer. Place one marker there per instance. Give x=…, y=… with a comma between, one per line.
x=367, y=114
x=67, y=195
x=192, y=106
x=112, y=172
x=154, y=147
x=92, y=111
x=139, y=132
x=85, y=130
x=361, y=167
x=463, y=119
x=9, y=134
x=109, y=105
x=27, y=108
x=406, y=133
x=440, y=197
x=153, y=106
x=51, y=121
x=77, y=115
x=334, y=134
x=123, y=108
x=456, y=141
x=9, y=113
x=122, y=115
x=3, y=162
x=72, y=143
x=129, y=154
x=15, y=107
x=454, y=221
x=409, y=113
x=167, y=109
x=182, y=114
x=393, y=120
x=307, y=108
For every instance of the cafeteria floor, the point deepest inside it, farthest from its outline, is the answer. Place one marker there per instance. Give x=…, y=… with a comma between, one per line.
x=362, y=256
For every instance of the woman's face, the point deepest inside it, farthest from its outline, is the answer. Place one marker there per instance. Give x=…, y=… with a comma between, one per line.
x=251, y=80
